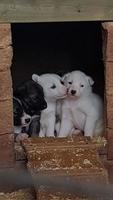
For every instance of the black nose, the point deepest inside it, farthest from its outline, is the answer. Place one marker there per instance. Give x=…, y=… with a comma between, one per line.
x=73, y=92
x=27, y=120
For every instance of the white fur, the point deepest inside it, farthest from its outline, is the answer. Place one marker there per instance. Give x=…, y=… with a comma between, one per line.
x=18, y=129
x=84, y=109
x=48, y=116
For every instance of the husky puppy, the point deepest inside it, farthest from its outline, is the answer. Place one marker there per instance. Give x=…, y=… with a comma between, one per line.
x=53, y=90
x=82, y=109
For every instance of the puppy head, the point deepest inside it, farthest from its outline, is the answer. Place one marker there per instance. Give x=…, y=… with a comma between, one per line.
x=78, y=84
x=20, y=117
x=52, y=86
x=17, y=112
x=32, y=97
x=25, y=119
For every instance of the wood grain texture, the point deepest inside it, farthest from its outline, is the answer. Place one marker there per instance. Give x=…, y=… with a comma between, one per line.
x=55, y=10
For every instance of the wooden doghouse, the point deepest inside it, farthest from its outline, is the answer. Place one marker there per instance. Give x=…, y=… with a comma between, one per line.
x=47, y=11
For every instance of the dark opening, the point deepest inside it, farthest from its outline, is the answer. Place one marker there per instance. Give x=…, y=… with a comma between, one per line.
x=59, y=48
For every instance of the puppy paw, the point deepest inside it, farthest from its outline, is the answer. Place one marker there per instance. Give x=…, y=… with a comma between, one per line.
x=76, y=132
x=50, y=135
x=41, y=134
x=62, y=136
x=21, y=137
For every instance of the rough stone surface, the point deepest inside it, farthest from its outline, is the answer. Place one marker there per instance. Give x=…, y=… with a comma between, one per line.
x=109, y=120
x=109, y=133
x=6, y=55
x=5, y=85
x=6, y=151
x=63, y=158
x=21, y=194
x=110, y=150
x=109, y=93
x=49, y=194
x=5, y=35
x=108, y=38
x=104, y=42
x=109, y=110
x=109, y=74
x=19, y=152
x=6, y=116
x=109, y=100
x=110, y=143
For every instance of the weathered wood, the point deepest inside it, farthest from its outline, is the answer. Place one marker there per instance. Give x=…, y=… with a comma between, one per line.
x=6, y=116
x=6, y=151
x=109, y=76
x=54, y=10
x=5, y=86
x=107, y=33
x=109, y=132
x=5, y=35
x=108, y=41
x=20, y=154
x=110, y=150
x=6, y=55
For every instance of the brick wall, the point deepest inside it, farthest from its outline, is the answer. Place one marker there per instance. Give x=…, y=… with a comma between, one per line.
x=6, y=114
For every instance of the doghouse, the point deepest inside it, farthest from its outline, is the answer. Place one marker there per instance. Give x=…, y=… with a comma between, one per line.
x=43, y=12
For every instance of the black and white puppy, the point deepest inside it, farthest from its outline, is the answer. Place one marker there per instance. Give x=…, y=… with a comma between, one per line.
x=28, y=102
x=21, y=119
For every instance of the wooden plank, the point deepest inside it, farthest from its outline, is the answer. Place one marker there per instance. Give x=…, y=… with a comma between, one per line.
x=55, y=10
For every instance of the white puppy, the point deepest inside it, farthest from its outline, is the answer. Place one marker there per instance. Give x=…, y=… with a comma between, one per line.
x=53, y=90
x=82, y=109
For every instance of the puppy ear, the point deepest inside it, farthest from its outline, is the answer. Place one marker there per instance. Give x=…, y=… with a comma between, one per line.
x=90, y=80
x=36, y=78
x=65, y=76
x=20, y=91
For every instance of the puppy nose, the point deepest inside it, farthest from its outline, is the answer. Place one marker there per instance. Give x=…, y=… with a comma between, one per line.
x=27, y=120
x=73, y=92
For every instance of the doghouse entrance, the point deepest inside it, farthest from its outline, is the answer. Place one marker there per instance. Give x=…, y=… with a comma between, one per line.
x=58, y=48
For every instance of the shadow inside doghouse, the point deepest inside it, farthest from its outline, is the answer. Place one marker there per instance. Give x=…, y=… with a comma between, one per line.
x=58, y=48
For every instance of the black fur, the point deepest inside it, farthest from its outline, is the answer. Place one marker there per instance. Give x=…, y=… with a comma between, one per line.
x=31, y=96
x=18, y=112
x=34, y=127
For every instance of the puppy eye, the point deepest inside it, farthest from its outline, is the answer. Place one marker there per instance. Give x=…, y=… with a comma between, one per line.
x=81, y=85
x=62, y=82
x=53, y=86
x=70, y=82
